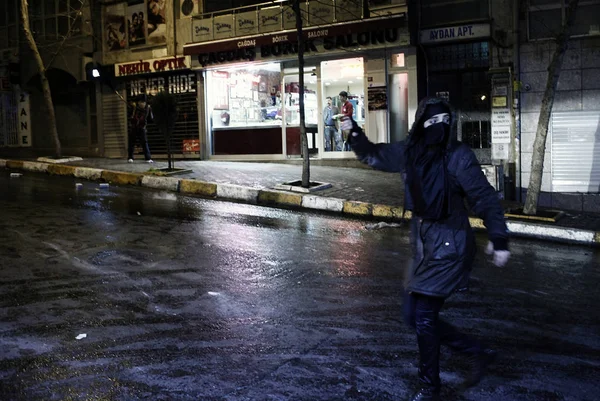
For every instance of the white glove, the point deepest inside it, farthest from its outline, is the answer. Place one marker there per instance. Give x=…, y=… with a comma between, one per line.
x=500, y=257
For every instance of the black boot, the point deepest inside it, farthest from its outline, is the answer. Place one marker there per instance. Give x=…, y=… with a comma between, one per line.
x=425, y=394
x=478, y=364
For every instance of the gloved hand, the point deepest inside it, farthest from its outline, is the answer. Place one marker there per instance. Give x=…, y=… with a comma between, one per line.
x=500, y=258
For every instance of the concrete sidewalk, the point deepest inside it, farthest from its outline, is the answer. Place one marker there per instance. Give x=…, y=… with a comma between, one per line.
x=354, y=191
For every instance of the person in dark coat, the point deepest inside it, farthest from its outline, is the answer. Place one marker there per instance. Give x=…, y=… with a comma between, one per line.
x=444, y=249
x=140, y=117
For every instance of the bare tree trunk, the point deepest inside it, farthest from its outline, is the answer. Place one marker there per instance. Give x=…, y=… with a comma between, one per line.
x=42, y=72
x=539, y=145
x=303, y=138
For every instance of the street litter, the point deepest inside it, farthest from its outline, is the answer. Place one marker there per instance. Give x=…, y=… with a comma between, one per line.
x=103, y=185
x=78, y=185
x=381, y=225
x=80, y=336
x=139, y=214
x=13, y=175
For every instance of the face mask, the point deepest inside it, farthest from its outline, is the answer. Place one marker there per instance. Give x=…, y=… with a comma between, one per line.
x=436, y=134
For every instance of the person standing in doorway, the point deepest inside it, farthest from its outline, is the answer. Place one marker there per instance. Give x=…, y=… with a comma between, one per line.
x=141, y=116
x=347, y=113
x=331, y=130
x=439, y=173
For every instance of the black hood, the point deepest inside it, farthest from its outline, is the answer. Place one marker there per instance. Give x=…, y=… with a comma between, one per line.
x=417, y=128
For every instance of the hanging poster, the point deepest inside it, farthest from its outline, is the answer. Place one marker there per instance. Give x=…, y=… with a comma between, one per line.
x=136, y=23
x=377, y=97
x=157, y=27
x=115, y=32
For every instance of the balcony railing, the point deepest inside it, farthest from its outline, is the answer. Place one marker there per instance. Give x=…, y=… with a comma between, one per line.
x=279, y=16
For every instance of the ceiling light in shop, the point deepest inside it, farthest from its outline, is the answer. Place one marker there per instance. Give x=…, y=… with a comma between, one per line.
x=359, y=78
x=350, y=82
x=327, y=83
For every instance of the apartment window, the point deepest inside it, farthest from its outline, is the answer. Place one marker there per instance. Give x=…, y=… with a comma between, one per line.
x=8, y=21
x=446, y=12
x=55, y=19
x=546, y=17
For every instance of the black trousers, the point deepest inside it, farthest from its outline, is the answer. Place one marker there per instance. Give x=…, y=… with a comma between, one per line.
x=422, y=313
x=142, y=136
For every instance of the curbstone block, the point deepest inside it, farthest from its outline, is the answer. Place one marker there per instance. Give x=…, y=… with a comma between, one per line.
x=279, y=198
x=358, y=208
x=597, y=238
x=88, y=173
x=166, y=183
x=389, y=212
x=3, y=163
x=35, y=166
x=18, y=164
x=322, y=203
x=553, y=233
x=59, y=169
x=120, y=178
x=237, y=192
x=198, y=188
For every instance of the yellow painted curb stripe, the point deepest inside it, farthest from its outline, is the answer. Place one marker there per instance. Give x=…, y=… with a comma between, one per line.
x=476, y=222
x=59, y=169
x=534, y=218
x=281, y=198
x=359, y=208
x=385, y=211
x=597, y=237
x=197, y=187
x=14, y=164
x=116, y=177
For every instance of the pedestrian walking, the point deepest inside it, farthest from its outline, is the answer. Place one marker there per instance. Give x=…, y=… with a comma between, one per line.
x=141, y=116
x=439, y=173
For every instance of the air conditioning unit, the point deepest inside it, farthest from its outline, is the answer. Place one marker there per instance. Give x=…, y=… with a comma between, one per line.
x=188, y=8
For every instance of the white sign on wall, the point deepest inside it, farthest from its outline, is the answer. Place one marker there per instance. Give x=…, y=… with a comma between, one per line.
x=24, y=119
x=454, y=33
x=501, y=125
x=500, y=151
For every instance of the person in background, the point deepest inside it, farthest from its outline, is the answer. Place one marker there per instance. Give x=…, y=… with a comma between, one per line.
x=439, y=174
x=331, y=131
x=141, y=116
x=346, y=115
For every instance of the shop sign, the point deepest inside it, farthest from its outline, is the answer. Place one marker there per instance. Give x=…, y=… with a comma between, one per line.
x=285, y=45
x=24, y=119
x=5, y=85
x=152, y=66
x=269, y=19
x=362, y=32
x=246, y=23
x=501, y=125
x=174, y=84
x=455, y=33
x=191, y=146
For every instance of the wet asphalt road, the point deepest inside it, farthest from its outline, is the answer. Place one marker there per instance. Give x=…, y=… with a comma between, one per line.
x=189, y=299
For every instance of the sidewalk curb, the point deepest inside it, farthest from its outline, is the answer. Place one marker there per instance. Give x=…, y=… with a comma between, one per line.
x=269, y=197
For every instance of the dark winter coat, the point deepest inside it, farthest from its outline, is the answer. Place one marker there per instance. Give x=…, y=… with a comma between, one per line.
x=443, y=250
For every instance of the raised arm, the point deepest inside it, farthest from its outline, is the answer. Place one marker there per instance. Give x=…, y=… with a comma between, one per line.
x=382, y=156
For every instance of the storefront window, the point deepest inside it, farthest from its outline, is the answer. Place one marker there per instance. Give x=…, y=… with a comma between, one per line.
x=246, y=96
x=342, y=76
x=244, y=107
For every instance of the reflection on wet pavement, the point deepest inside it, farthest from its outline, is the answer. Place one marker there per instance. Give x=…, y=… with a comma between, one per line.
x=187, y=299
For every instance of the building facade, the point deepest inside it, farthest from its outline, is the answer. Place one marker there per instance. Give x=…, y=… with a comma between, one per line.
x=571, y=177
x=63, y=31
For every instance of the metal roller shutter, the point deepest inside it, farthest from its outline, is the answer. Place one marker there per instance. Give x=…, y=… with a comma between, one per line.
x=114, y=124
x=186, y=127
x=576, y=151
